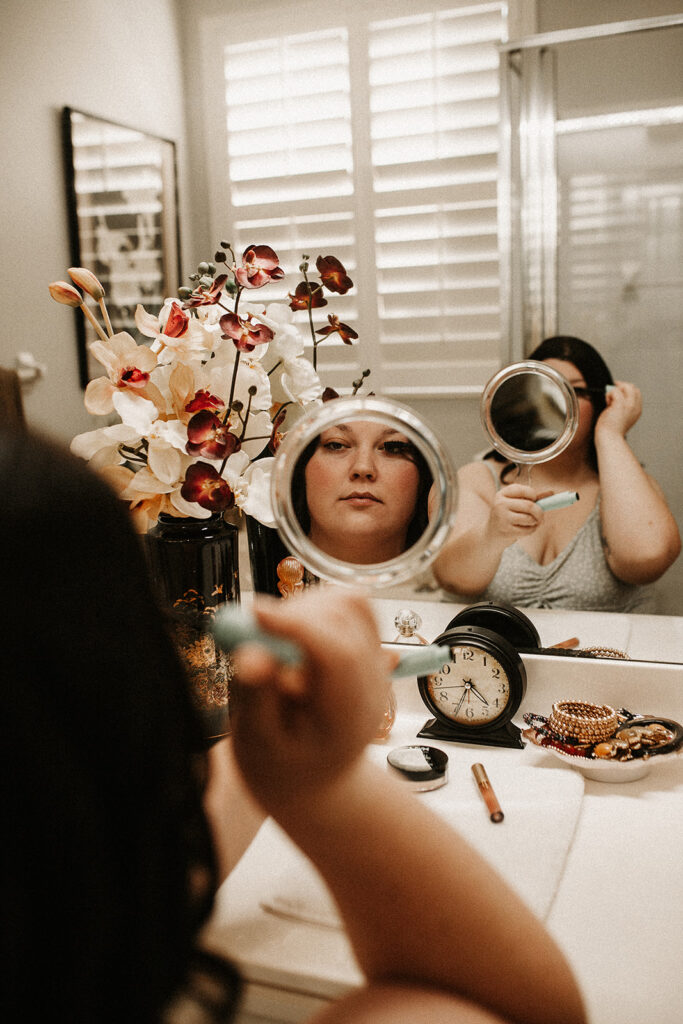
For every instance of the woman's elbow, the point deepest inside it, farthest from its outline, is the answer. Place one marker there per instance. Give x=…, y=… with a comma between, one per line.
x=648, y=563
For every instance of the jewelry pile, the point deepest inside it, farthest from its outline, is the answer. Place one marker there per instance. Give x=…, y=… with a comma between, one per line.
x=597, y=731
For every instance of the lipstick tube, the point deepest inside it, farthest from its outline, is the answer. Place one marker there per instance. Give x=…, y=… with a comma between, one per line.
x=486, y=790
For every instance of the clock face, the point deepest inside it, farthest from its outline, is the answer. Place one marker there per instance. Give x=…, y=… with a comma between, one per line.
x=472, y=689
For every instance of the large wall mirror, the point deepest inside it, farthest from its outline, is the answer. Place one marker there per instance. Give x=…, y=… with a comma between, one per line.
x=121, y=192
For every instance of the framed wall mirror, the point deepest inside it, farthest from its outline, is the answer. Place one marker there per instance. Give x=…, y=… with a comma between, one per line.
x=123, y=218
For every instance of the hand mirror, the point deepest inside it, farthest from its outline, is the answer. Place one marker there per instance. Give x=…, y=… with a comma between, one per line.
x=530, y=412
x=350, y=488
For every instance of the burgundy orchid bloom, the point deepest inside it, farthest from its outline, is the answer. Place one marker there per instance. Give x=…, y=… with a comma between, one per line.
x=329, y=394
x=333, y=274
x=131, y=377
x=259, y=266
x=203, y=400
x=345, y=332
x=245, y=332
x=276, y=435
x=177, y=322
x=204, y=485
x=208, y=296
x=307, y=296
x=207, y=436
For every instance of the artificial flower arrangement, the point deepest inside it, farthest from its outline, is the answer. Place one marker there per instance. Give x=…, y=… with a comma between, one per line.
x=204, y=406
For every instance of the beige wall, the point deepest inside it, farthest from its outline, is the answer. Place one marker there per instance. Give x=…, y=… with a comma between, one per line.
x=119, y=59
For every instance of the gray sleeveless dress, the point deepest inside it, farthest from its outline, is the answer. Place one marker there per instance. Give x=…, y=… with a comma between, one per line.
x=579, y=577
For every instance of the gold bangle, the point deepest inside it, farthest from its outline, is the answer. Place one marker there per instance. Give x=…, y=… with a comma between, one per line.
x=582, y=721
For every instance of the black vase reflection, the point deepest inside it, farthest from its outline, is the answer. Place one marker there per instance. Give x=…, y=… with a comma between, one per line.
x=194, y=565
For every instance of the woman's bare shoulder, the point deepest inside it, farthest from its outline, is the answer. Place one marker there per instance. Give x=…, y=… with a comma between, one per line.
x=385, y=1003
x=480, y=476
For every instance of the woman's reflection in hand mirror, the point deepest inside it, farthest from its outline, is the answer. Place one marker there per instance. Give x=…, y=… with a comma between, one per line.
x=530, y=412
x=351, y=490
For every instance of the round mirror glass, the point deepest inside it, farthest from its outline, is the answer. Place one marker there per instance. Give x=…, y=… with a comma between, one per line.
x=530, y=412
x=363, y=492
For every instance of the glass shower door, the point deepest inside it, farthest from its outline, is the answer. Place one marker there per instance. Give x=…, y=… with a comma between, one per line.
x=593, y=195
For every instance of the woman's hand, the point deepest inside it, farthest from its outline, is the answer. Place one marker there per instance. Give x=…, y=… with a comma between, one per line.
x=514, y=512
x=623, y=409
x=299, y=729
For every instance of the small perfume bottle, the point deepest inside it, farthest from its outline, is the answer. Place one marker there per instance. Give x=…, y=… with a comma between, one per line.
x=389, y=716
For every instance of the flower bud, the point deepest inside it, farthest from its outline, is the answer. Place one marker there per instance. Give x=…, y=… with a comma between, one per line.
x=86, y=280
x=62, y=291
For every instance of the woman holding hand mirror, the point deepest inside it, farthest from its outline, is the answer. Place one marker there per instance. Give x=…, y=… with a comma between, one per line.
x=594, y=554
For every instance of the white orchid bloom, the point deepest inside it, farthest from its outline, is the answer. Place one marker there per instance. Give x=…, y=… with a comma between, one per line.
x=259, y=430
x=300, y=382
x=189, y=339
x=255, y=500
x=135, y=411
x=251, y=374
x=101, y=447
x=288, y=342
x=188, y=508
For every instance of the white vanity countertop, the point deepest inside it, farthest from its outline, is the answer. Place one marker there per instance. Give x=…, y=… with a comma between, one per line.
x=616, y=899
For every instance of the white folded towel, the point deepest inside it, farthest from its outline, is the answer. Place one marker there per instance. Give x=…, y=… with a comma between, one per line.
x=528, y=848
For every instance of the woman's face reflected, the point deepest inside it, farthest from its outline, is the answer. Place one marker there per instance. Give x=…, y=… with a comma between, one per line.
x=361, y=491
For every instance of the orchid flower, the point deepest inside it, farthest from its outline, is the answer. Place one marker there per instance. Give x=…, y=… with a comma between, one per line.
x=128, y=366
x=259, y=266
x=204, y=401
x=177, y=336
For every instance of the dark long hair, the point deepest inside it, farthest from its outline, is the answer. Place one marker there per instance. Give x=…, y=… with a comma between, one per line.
x=419, y=521
x=593, y=369
x=108, y=866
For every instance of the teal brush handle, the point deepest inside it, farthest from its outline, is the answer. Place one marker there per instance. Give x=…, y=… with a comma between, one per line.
x=233, y=627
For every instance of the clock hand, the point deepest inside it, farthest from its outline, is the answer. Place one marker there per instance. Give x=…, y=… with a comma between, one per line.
x=460, y=702
x=476, y=693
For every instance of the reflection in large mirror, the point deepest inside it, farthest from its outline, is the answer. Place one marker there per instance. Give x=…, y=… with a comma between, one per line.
x=351, y=488
x=592, y=530
x=530, y=412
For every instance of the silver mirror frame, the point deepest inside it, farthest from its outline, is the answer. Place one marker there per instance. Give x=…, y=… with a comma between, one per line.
x=517, y=455
x=378, y=410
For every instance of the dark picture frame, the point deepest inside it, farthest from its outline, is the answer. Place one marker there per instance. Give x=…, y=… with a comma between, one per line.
x=122, y=205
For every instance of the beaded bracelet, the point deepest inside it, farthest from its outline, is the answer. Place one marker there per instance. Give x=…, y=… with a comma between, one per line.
x=582, y=721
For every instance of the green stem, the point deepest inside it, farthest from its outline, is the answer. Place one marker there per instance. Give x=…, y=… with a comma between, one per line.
x=238, y=356
x=310, y=321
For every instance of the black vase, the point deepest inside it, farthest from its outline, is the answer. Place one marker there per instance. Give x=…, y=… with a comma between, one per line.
x=194, y=566
x=266, y=551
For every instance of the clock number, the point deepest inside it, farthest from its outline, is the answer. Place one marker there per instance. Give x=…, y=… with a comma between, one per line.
x=469, y=713
x=495, y=673
x=468, y=655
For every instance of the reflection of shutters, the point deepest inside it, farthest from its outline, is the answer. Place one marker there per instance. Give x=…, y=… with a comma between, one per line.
x=434, y=126
x=376, y=141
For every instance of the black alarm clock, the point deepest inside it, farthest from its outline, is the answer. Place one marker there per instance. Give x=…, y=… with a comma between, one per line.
x=477, y=692
x=502, y=618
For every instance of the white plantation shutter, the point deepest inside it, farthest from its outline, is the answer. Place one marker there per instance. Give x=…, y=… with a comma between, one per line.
x=434, y=128
x=375, y=139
